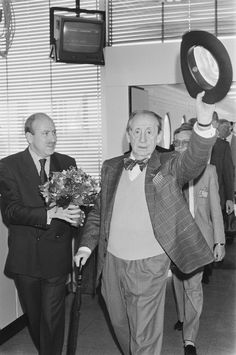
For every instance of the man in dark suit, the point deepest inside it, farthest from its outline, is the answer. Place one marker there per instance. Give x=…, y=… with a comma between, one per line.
x=233, y=150
x=141, y=222
x=221, y=157
x=39, y=257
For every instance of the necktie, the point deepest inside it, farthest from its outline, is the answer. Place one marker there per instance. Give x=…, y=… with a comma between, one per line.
x=43, y=175
x=130, y=163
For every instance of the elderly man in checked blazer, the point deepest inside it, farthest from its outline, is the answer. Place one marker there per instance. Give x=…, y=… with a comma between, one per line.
x=141, y=222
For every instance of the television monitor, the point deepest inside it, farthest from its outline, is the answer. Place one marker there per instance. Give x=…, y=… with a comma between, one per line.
x=79, y=40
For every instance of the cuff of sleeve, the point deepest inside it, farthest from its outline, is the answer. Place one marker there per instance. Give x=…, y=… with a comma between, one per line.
x=221, y=244
x=206, y=133
x=85, y=249
x=48, y=218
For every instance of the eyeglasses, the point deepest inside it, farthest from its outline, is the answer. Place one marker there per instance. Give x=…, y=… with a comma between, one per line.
x=178, y=143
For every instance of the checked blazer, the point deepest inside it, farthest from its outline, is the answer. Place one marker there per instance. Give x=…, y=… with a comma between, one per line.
x=173, y=225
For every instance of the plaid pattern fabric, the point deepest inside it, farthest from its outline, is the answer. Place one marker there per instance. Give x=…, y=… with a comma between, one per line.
x=129, y=163
x=173, y=225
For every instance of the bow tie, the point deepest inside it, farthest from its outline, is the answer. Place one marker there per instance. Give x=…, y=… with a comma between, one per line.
x=130, y=163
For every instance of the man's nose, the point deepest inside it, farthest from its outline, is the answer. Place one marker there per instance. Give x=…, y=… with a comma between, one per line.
x=142, y=137
x=52, y=137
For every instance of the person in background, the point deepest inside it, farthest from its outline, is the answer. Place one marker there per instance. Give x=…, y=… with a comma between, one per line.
x=202, y=195
x=40, y=239
x=221, y=157
x=233, y=150
x=140, y=222
x=192, y=121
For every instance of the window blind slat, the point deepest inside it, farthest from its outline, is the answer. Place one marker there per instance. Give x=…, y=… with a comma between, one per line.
x=144, y=21
x=31, y=82
x=132, y=21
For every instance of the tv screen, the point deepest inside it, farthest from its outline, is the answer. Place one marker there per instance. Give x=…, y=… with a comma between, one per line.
x=79, y=40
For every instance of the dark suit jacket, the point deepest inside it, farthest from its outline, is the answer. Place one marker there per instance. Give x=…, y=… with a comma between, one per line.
x=35, y=248
x=173, y=225
x=233, y=150
x=221, y=157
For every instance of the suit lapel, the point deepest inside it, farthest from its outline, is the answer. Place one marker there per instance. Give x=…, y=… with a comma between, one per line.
x=54, y=164
x=29, y=167
x=112, y=179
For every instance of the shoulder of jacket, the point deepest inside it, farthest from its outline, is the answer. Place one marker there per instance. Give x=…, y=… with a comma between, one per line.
x=165, y=156
x=114, y=161
x=13, y=157
x=62, y=156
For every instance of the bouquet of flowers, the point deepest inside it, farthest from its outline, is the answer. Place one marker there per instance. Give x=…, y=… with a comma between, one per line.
x=72, y=186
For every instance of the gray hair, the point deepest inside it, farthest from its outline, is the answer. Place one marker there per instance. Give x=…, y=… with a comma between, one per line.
x=144, y=112
x=187, y=126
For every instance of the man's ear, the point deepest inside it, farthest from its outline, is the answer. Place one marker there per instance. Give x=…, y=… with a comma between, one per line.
x=28, y=137
x=159, y=137
x=127, y=136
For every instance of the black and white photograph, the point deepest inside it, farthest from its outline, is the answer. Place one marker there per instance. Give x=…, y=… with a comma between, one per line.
x=118, y=177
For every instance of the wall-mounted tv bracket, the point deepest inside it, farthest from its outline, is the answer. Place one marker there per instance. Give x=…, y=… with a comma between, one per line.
x=77, y=11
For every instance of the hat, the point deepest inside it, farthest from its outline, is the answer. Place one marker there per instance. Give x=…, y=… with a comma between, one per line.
x=193, y=79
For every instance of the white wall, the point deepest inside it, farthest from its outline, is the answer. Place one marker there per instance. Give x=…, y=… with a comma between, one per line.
x=10, y=308
x=137, y=65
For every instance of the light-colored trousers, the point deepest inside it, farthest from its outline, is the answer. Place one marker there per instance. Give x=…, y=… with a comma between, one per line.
x=134, y=292
x=189, y=302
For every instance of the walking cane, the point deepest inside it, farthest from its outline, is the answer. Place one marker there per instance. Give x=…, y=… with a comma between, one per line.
x=75, y=314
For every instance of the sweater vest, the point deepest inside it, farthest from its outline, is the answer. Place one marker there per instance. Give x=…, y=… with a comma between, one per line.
x=131, y=234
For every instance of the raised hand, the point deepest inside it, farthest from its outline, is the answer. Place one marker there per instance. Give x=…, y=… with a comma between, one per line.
x=204, y=111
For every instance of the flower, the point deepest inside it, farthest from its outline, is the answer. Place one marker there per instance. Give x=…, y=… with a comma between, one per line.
x=72, y=186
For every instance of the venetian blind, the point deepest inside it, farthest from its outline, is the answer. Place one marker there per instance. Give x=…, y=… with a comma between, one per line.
x=132, y=21
x=32, y=82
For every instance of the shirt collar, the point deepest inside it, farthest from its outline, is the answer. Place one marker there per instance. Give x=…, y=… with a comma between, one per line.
x=36, y=158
